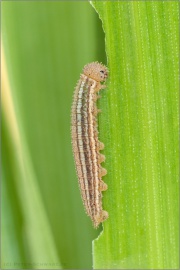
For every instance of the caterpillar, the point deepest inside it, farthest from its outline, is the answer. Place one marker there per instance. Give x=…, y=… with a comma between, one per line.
x=85, y=143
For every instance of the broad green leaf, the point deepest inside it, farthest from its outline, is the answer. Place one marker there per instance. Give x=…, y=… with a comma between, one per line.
x=139, y=127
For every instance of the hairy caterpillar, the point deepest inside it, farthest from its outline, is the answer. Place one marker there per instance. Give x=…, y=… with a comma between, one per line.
x=86, y=145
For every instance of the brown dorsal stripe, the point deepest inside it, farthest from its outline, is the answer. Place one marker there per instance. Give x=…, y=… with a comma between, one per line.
x=85, y=141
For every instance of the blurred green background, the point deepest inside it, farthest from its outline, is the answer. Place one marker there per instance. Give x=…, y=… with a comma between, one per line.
x=45, y=46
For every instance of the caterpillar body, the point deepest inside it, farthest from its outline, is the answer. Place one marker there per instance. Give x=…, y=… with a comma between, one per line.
x=85, y=143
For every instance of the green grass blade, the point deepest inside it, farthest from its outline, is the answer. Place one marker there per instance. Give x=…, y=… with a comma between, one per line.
x=32, y=233
x=139, y=127
x=10, y=235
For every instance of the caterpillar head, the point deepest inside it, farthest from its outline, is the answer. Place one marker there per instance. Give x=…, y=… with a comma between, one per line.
x=96, y=71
